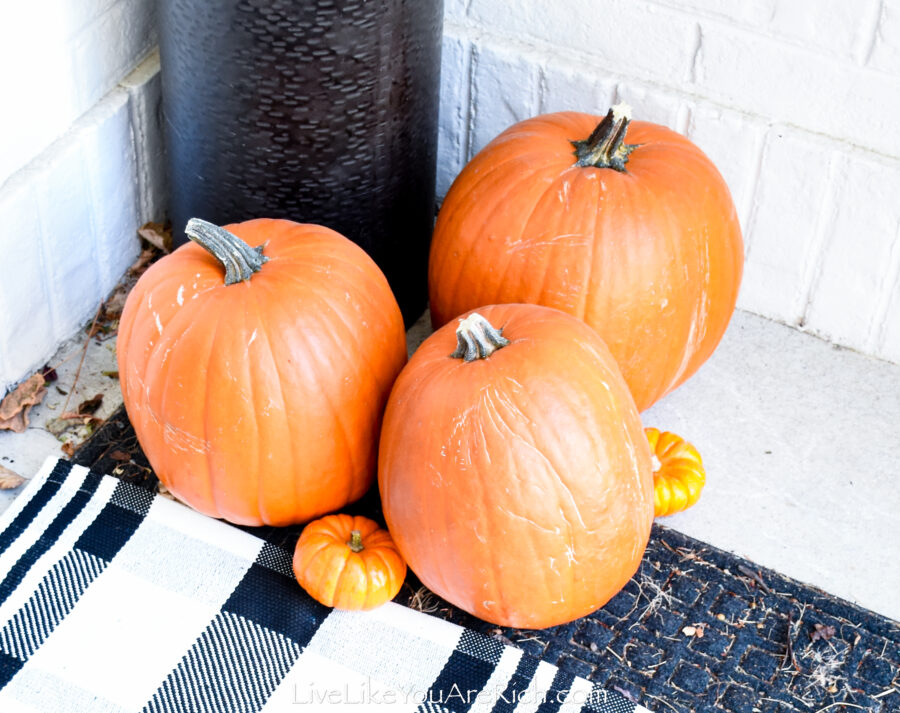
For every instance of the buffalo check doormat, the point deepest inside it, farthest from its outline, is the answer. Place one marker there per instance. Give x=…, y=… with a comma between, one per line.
x=230, y=630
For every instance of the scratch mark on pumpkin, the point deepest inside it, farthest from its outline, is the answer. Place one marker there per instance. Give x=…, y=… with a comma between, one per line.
x=179, y=298
x=252, y=338
x=158, y=323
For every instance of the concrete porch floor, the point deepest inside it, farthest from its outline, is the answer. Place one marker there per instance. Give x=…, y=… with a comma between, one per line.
x=799, y=438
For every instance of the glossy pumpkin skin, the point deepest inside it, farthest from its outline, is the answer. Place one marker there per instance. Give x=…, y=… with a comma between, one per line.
x=260, y=402
x=339, y=571
x=518, y=487
x=679, y=477
x=650, y=257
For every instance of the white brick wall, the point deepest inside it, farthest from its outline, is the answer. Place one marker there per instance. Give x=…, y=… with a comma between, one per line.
x=60, y=57
x=68, y=216
x=794, y=100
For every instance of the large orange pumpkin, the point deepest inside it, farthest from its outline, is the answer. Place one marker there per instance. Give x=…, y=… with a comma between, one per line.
x=514, y=473
x=640, y=240
x=258, y=395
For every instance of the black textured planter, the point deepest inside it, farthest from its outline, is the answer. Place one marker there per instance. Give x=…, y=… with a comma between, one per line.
x=320, y=111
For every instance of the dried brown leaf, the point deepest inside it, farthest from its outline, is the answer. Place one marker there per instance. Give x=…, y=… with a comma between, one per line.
x=15, y=407
x=139, y=266
x=120, y=455
x=89, y=406
x=111, y=374
x=157, y=235
x=68, y=448
x=9, y=479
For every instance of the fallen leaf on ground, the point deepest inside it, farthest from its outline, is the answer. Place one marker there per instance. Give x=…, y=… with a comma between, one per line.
x=49, y=374
x=111, y=374
x=139, y=266
x=120, y=455
x=89, y=406
x=68, y=448
x=157, y=235
x=15, y=407
x=822, y=632
x=9, y=479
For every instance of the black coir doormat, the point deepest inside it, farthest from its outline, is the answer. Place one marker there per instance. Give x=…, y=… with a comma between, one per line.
x=696, y=630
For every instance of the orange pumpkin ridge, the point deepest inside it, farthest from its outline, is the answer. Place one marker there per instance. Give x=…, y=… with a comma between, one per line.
x=624, y=224
x=260, y=401
x=514, y=474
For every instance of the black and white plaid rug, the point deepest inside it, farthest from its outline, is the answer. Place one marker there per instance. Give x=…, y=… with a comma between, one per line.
x=231, y=631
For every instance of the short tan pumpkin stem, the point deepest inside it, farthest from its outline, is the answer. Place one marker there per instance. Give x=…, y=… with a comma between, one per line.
x=476, y=338
x=239, y=259
x=355, y=543
x=606, y=147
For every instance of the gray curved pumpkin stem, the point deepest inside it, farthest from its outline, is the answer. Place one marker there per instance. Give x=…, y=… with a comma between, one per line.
x=239, y=259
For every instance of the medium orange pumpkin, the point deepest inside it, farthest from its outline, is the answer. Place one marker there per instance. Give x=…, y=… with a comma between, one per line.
x=514, y=473
x=678, y=473
x=640, y=240
x=348, y=562
x=258, y=396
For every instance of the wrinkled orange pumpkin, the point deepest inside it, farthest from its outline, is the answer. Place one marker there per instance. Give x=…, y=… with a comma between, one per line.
x=514, y=472
x=348, y=562
x=639, y=239
x=678, y=473
x=255, y=364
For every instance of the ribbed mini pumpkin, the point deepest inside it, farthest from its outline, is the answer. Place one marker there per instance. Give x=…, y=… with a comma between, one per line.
x=639, y=239
x=255, y=365
x=348, y=562
x=514, y=472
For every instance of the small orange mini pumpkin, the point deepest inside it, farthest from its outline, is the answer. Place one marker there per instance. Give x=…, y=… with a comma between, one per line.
x=348, y=562
x=678, y=474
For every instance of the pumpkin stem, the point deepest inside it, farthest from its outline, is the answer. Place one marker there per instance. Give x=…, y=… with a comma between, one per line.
x=477, y=339
x=606, y=147
x=355, y=543
x=239, y=259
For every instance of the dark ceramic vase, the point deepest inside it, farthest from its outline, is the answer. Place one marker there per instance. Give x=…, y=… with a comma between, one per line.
x=320, y=111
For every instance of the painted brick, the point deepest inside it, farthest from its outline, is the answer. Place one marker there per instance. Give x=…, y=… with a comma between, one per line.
x=733, y=142
x=885, y=53
x=572, y=87
x=796, y=86
x=454, y=114
x=69, y=222
x=750, y=12
x=26, y=322
x=112, y=178
x=65, y=209
x=631, y=37
x=782, y=241
x=106, y=50
x=454, y=11
x=45, y=97
x=651, y=104
x=504, y=92
x=889, y=344
x=832, y=26
x=80, y=54
x=860, y=268
x=144, y=89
